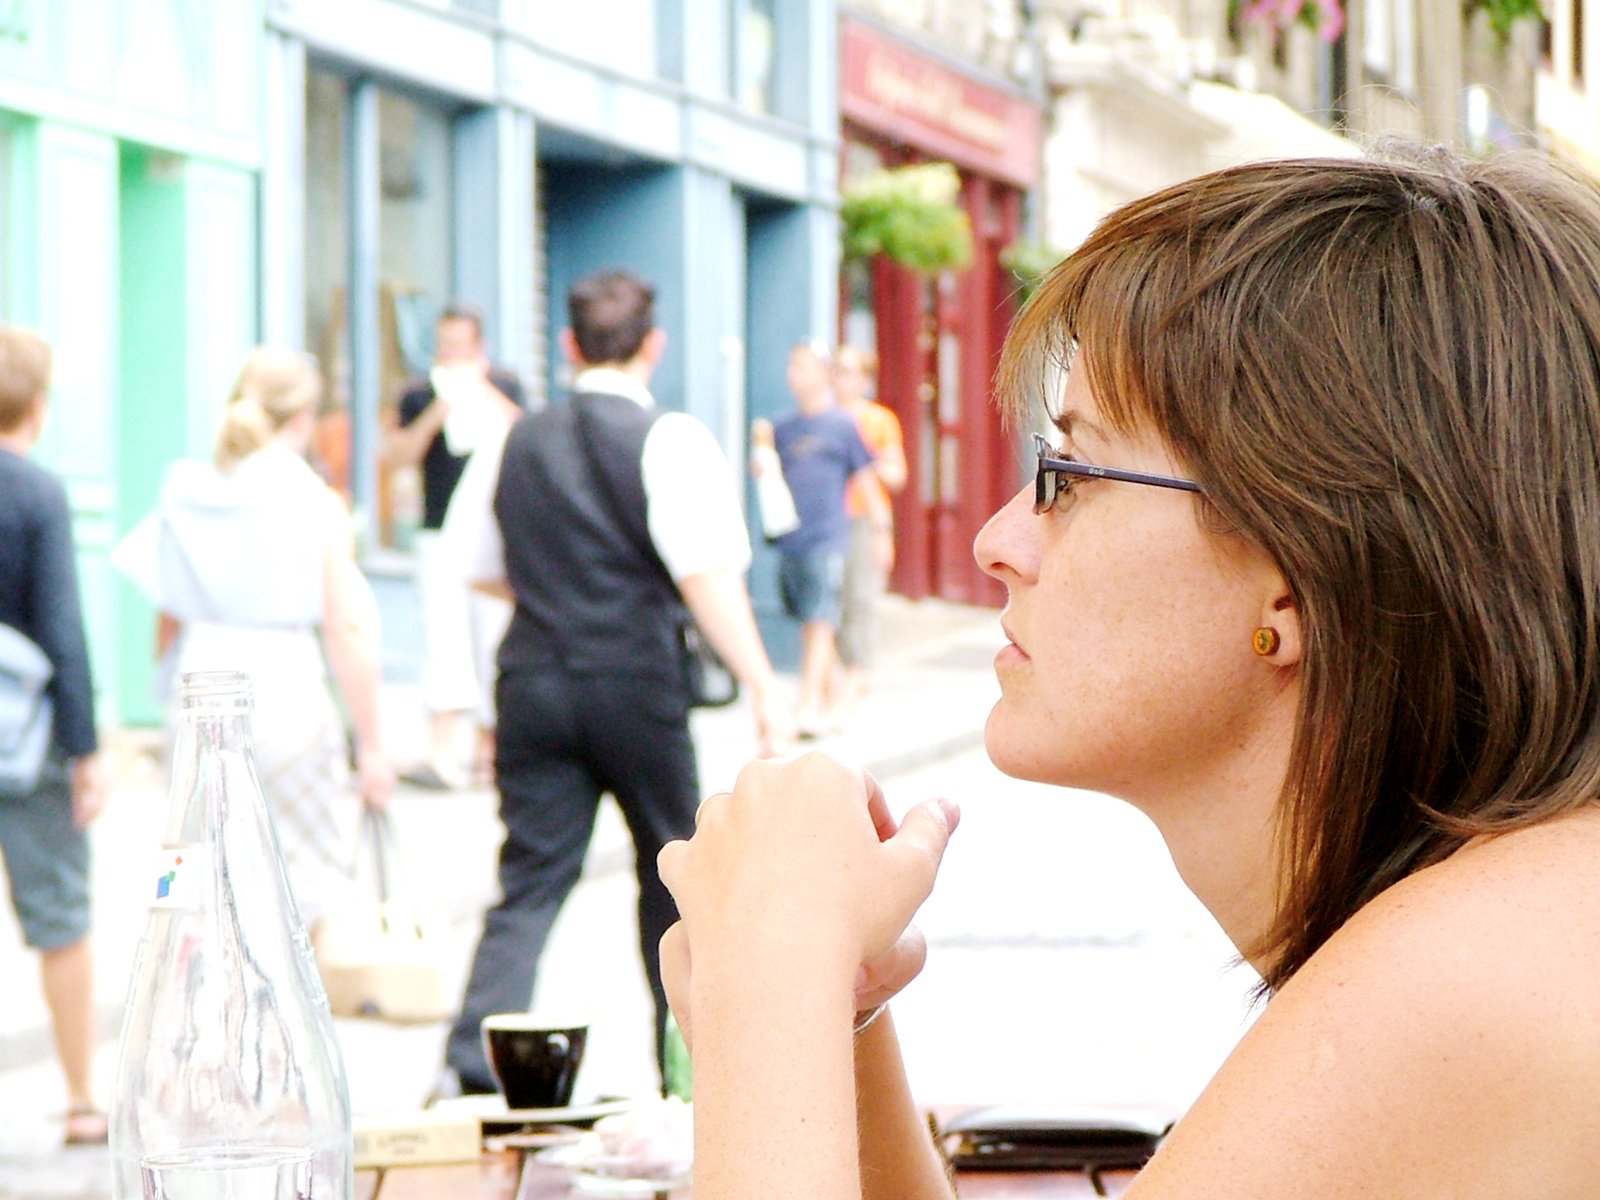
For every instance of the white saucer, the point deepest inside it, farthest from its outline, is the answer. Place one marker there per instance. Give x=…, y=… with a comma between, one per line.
x=492, y=1108
x=594, y=1173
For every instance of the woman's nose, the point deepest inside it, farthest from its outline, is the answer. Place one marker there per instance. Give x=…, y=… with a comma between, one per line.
x=1006, y=546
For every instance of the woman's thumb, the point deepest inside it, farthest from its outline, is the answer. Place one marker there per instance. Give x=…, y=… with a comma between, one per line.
x=926, y=830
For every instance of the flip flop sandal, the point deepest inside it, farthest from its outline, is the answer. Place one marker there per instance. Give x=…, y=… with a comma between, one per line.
x=86, y=1127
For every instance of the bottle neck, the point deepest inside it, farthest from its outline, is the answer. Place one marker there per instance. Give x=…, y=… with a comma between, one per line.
x=214, y=710
x=213, y=743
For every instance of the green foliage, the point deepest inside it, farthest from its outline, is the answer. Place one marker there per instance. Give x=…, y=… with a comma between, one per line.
x=1503, y=14
x=1326, y=17
x=1028, y=263
x=909, y=214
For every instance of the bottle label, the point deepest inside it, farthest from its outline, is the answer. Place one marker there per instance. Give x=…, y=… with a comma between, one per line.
x=176, y=885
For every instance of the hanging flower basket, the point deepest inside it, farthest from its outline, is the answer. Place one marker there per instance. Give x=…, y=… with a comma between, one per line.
x=910, y=215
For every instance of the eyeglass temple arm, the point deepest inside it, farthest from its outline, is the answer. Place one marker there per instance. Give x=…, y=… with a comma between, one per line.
x=1090, y=471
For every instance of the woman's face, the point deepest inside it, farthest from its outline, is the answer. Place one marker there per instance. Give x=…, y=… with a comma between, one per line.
x=1129, y=666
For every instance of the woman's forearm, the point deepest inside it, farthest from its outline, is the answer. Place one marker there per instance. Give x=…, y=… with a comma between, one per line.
x=898, y=1158
x=773, y=1091
x=353, y=657
x=350, y=636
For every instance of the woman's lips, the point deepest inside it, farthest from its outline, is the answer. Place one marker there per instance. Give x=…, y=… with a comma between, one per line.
x=1010, y=654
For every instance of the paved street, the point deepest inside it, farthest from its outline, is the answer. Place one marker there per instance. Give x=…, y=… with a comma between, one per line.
x=1067, y=960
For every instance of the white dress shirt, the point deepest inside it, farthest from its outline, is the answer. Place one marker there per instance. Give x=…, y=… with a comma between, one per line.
x=691, y=494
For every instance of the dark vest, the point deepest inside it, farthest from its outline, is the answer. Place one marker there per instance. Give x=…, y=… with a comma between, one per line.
x=592, y=595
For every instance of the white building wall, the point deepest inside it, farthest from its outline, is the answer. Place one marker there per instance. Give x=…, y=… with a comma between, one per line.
x=1566, y=102
x=1133, y=111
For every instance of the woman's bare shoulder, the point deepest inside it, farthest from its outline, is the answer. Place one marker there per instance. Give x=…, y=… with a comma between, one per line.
x=1529, y=894
x=1445, y=1042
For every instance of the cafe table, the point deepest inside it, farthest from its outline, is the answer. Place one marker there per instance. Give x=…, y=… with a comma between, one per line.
x=508, y=1174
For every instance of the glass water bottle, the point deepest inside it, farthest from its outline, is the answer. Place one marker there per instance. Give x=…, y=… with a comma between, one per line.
x=230, y=1084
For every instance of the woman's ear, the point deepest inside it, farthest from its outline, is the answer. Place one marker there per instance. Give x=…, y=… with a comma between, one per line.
x=1283, y=648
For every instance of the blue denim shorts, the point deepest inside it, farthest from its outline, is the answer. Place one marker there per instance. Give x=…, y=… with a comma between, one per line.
x=47, y=861
x=811, y=583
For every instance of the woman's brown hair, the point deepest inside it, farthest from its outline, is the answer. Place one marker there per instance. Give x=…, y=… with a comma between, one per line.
x=1387, y=375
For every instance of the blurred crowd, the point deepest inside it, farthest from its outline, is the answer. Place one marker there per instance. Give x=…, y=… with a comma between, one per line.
x=566, y=563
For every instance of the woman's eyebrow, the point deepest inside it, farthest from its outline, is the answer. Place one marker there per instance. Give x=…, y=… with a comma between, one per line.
x=1072, y=422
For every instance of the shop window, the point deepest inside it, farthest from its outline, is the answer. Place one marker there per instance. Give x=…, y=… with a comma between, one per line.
x=1389, y=43
x=415, y=271
x=416, y=234
x=415, y=231
x=754, y=24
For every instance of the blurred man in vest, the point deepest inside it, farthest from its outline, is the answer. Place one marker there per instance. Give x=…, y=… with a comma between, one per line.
x=614, y=524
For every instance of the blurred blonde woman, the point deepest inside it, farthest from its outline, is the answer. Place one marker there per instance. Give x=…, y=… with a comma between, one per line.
x=247, y=560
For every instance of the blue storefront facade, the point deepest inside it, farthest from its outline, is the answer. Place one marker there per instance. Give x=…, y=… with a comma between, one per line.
x=496, y=153
x=180, y=179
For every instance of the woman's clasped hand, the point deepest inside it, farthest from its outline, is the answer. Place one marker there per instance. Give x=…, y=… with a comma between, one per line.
x=803, y=862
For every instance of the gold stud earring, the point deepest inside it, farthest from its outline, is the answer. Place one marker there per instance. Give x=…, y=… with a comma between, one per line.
x=1265, y=641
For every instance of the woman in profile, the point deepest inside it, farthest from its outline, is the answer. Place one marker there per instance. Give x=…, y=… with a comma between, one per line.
x=1310, y=574
x=251, y=564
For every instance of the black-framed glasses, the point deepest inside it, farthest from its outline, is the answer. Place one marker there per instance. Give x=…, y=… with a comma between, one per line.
x=1055, y=475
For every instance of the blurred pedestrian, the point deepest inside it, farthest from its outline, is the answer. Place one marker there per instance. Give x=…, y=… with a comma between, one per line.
x=248, y=560
x=43, y=834
x=821, y=452
x=463, y=402
x=870, y=555
x=612, y=524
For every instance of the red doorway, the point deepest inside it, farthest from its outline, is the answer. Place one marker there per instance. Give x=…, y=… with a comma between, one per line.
x=938, y=341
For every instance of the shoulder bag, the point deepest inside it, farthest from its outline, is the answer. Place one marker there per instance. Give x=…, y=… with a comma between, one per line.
x=377, y=957
x=26, y=712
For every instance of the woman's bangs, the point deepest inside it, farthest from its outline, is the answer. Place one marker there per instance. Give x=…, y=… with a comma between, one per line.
x=1106, y=304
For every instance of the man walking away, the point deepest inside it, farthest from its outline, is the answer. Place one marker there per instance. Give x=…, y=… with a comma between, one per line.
x=615, y=523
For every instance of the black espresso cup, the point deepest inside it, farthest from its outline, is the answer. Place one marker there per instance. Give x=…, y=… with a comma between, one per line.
x=536, y=1060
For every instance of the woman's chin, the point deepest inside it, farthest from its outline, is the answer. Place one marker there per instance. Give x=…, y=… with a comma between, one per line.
x=1006, y=751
